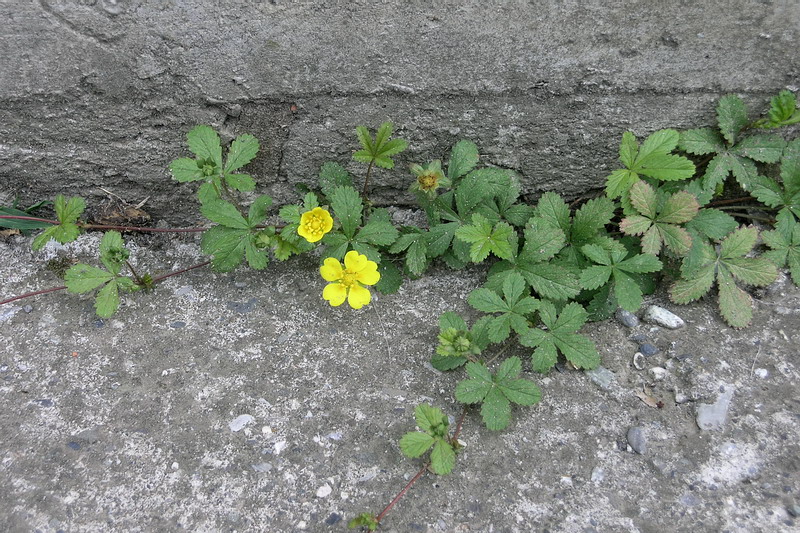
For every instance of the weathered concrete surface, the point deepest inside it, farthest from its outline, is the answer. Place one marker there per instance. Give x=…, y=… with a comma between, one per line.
x=101, y=92
x=128, y=424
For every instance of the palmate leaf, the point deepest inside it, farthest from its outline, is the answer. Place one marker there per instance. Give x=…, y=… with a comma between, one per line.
x=67, y=212
x=205, y=144
x=614, y=268
x=243, y=150
x=463, y=158
x=560, y=335
x=653, y=160
x=783, y=111
x=784, y=242
x=332, y=175
x=347, y=206
x=380, y=149
x=435, y=428
x=659, y=218
x=704, y=265
x=485, y=239
x=731, y=117
x=497, y=392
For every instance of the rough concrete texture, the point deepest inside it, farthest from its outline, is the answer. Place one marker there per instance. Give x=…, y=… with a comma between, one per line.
x=100, y=93
x=243, y=402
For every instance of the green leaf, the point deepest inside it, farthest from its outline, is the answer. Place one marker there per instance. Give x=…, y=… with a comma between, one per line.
x=739, y=243
x=666, y=167
x=112, y=252
x=701, y=141
x=367, y=520
x=782, y=107
x=554, y=210
x=347, y=206
x=184, y=169
x=463, y=158
x=521, y=392
x=591, y=218
x=658, y=142
x=496, y=410
x=243, y=149
x=762, y=148
x=439, y=237
x=240, y=182
x=578, y=350
x=226, y=245
x=487, y=301
x=684, y=291
x=391, y=278
x=758, y=271
x=712, y=223
x=449, y=319
x=431, y=420
x=545, y=356
x=643, y=198
x=572, y=317
x=332, y=175
x=731, y=116
x=415, y=443
x=381, y=148
x=224, y=213
x=443, y=458
x=542, y=241
x=256, y=258
x=628, y=149
x=735, y=305
x=82, y=278
x=485, y=239
x=472, y=391
x=619, y=182
x=679, y=208
x=204, y=143
x=595, y=276
x=258, y=210
x=106, y=302
x=378, y=232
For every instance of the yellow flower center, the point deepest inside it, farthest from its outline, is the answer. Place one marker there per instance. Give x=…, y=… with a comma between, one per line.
x=349, y=278
x=427, y=181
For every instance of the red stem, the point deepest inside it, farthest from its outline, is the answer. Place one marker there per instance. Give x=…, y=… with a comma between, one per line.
x=34, y=219
x=28, y=295
x=54, y=289
x=460, y=423
x=144, y=229
x=402, y=492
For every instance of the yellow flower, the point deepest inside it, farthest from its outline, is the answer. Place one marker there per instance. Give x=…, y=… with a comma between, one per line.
x=315, y=224
x=348, y=282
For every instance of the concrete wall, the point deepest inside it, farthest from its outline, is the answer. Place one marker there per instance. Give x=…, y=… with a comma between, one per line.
x=101, y=93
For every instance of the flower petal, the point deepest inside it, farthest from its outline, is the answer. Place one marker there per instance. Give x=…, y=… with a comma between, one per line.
x=354, y=261
x=358, y=297
x=335, y=293
x=331, y=270
x=327, y=220
x=370, y=274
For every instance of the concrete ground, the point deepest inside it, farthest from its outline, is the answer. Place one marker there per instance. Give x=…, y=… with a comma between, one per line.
x=243, y=402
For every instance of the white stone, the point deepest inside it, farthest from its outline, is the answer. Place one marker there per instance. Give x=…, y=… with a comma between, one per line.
x=658, y=315
x=324, y=491
x=240, y=422
x=658, y=373
x=761, y=372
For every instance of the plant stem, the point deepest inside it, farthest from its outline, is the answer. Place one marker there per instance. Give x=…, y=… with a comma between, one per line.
x=402, y=492
x=366, y=181
x=34, y=219
x=731, y=201
x=422, y=470
x=30, y=294
x=155, y=280
x=135, y=275
x=753, y=217
x=143, y=229
x=165, y=276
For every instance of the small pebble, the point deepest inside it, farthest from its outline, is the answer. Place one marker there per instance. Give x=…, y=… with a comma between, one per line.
x=681, y=397
x=324, y=491
x=178, y=324
x=658, y=315
x=794, y=510
x=27, y=308
x=711, y=417
x=638, y=361
x=639, y=337
x=648, y=349
x=598, y=474
x=763, y=373
x=659, y=373
x=262, y=467
x=238, y=423
x=637, y=440
x=600, y=376
x=334, y=518
x=626, y=318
